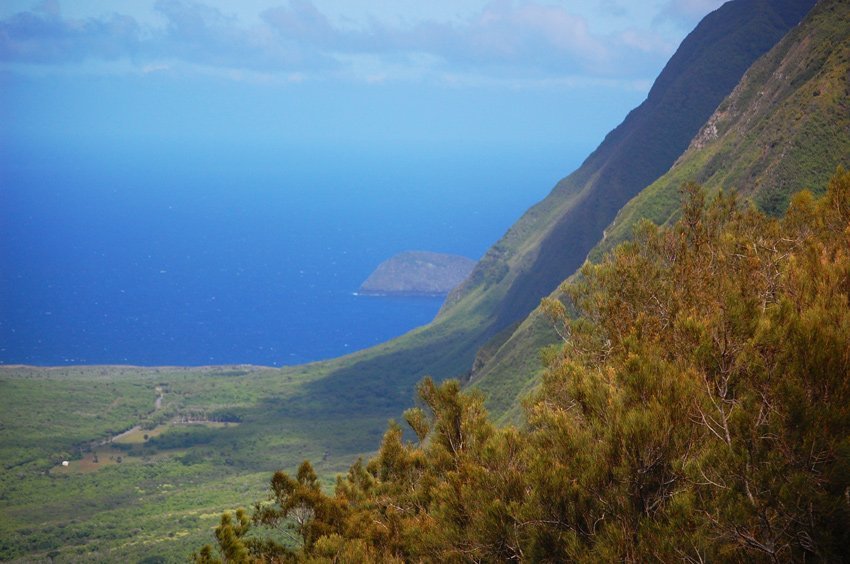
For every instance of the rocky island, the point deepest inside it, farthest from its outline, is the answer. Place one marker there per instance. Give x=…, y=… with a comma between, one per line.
x=417, y=273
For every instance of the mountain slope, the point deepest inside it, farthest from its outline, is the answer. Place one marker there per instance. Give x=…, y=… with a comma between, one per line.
x=784, y=127
x=552, y=239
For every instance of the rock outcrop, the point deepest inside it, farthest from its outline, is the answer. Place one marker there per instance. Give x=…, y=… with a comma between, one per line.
x=417, y=273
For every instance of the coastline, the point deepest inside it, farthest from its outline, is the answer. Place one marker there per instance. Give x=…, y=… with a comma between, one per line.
x=400, y=294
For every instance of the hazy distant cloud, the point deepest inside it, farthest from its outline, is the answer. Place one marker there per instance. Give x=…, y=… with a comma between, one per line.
x=524, y=35
x=690, y=12
x=201, y=34
x=505, y=37
x=645, y=42
x=302, y=21
x=44, y=36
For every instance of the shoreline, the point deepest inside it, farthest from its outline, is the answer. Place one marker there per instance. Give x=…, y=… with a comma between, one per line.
x=400, y=294
x=149, y=367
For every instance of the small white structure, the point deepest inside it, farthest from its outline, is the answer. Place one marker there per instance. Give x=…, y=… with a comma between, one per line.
x=65, y=463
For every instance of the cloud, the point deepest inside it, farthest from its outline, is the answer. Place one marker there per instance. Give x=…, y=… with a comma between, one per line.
x=689, y=12
x=645, y=42
x=512, y=38
x=302, y=21
x=526, y=34
x=44, y=36
x=197, y=33
x=155, y=67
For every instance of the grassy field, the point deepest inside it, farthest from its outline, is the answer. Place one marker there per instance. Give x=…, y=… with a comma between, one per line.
x=155, y=492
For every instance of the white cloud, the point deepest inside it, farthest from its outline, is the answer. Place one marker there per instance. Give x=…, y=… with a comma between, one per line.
x=509, y=39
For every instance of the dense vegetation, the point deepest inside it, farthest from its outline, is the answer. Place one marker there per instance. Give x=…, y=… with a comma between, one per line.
x=154, y=492
x=697, y=409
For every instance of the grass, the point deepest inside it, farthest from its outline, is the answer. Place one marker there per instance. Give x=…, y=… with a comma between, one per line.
x=172, y=487
x=137, y=435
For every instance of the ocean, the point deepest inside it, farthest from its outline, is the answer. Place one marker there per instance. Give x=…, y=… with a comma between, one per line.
x=170, y=254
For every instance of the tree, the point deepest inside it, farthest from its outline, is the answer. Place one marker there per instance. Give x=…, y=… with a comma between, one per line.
x=697, y=409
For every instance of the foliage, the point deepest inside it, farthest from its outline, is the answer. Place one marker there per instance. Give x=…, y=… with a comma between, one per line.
x=698, y=410
x=166, y=495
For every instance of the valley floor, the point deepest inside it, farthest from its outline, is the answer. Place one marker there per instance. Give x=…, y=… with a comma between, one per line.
x=166, y=449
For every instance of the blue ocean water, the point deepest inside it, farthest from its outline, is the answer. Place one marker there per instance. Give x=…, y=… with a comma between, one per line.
x=161, y=254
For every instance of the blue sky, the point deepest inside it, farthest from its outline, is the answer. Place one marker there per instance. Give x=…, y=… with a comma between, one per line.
x=141, y=139
x=180, y=178
x=461, y=72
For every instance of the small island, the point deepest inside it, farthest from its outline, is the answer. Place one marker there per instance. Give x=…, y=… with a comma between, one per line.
x=417, y=273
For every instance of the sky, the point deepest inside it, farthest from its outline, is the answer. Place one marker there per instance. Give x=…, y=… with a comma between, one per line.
x=158, y=155
x=394, y=73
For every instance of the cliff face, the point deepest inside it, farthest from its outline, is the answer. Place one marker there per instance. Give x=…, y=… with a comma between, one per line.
x=553, y=238
x=418, y=273
x=784, y=127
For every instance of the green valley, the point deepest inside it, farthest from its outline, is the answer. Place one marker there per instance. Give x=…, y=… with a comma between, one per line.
x=210, y=445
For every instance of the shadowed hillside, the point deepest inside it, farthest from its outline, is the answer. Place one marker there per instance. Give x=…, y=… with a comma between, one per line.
x=784, y=127
x=552, y=239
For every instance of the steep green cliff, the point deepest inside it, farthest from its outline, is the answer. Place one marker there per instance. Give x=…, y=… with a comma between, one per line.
x=552, y=239
x=785, y=127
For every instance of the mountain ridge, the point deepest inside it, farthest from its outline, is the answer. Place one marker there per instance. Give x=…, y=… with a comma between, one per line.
x=552, y=238
x=752, y=143
x=568, y=222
